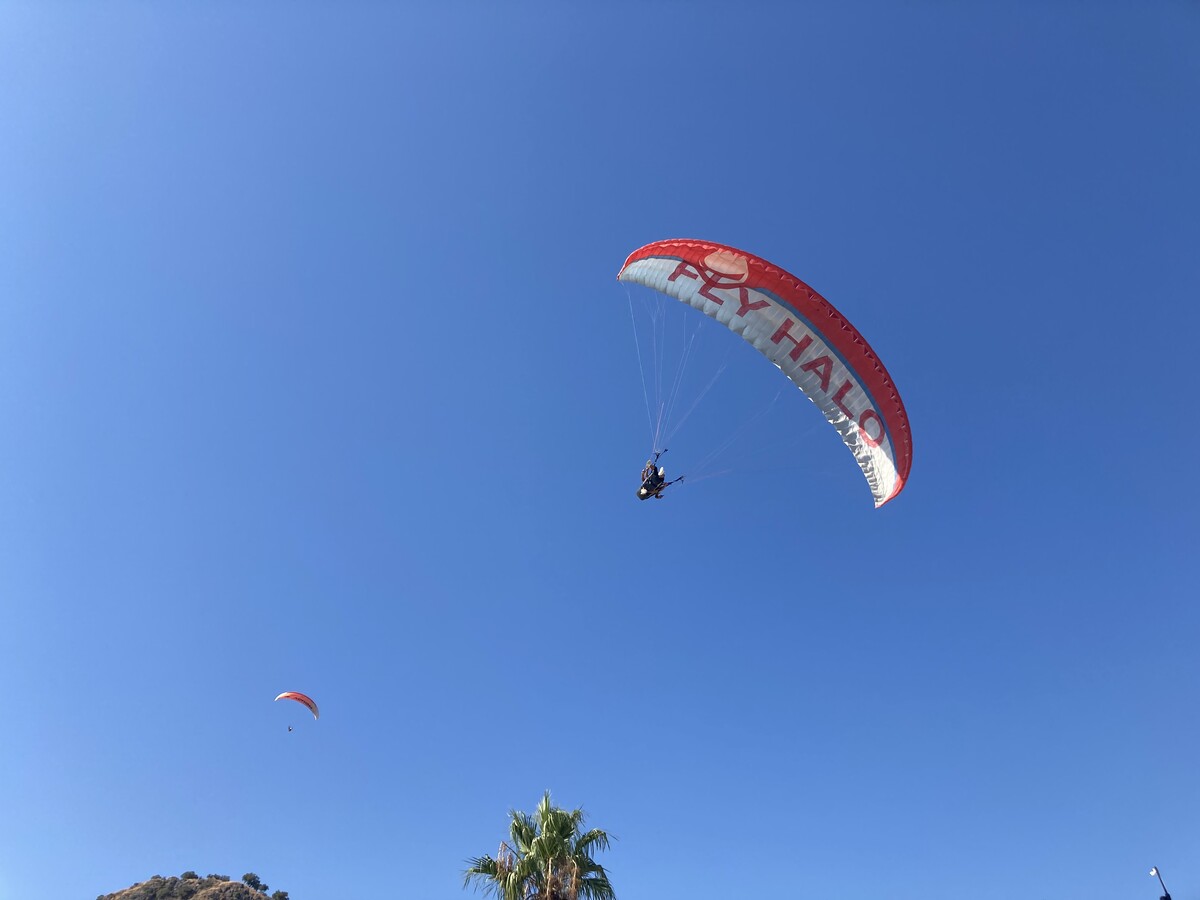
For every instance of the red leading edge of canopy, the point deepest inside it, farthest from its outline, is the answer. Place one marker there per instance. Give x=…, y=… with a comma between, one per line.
x=832, y=326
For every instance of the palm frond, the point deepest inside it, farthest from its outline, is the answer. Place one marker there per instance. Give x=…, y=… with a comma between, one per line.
x=523, y=830
x=482, y=872
x=594, y=840
x=596, y=889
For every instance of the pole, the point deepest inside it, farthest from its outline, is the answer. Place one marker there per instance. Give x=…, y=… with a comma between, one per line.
x=1166, y=894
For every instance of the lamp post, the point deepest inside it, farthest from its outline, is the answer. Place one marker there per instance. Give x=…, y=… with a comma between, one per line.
x=1154, y=872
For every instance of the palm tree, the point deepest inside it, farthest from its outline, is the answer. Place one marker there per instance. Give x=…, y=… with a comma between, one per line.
x=549, y=858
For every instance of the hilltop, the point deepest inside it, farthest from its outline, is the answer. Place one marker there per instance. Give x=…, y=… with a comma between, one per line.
x=191, y=886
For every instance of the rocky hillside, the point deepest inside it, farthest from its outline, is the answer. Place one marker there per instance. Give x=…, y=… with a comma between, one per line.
x=191, y=886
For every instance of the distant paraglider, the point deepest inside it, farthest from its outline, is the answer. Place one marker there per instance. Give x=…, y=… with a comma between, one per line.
x=802, y=334
x=300, y=698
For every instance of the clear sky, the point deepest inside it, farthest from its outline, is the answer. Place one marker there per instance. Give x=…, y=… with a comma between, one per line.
x=315, y=376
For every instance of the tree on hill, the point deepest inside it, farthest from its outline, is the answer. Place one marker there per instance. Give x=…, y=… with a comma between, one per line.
x=548, y=857
x=254, y=881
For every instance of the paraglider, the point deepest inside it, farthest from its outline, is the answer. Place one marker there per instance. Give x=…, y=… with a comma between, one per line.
x=300, y=698
x=654, y=479
x=802, y=334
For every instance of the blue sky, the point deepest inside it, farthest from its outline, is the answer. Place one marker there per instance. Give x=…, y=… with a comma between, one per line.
x=315, y=376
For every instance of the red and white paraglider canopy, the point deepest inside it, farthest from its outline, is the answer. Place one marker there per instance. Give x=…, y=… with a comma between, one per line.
x=800, y=332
